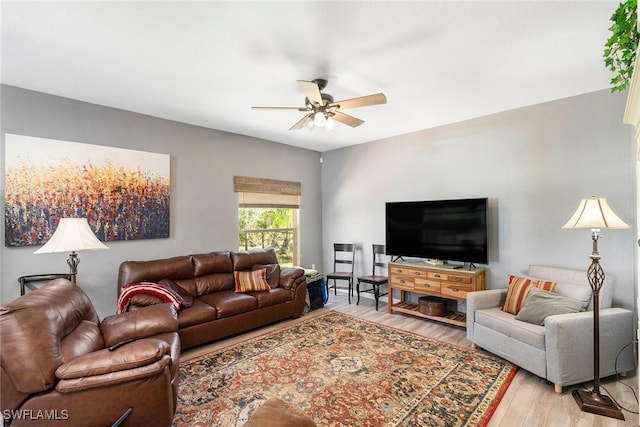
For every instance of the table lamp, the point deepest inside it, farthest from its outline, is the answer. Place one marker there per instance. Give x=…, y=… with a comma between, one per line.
x=72, y=234
x=595, y=213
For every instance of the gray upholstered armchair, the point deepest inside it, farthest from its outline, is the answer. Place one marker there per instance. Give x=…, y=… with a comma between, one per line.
x=561, y=350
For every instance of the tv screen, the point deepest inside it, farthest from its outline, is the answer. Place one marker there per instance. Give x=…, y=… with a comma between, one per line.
x=447, y=230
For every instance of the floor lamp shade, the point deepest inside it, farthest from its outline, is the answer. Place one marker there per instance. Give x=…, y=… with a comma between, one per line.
x=71, y=235
x=595, y=213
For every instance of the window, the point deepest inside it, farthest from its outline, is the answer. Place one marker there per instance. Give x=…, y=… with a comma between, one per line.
x=268, y=213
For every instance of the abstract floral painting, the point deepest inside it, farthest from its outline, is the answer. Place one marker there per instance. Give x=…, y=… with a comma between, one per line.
x=123, y=193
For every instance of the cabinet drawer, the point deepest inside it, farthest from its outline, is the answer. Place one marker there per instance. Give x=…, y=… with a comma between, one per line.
x=427, y=285
x=459, y=279
x=455, y=291
x=401, y=281
x=437, y=275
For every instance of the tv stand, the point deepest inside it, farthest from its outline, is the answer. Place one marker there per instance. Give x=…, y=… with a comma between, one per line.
x=445, y=281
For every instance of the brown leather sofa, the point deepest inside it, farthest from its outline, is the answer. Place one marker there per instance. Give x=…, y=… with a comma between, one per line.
x=215, y=310
x=62, y=366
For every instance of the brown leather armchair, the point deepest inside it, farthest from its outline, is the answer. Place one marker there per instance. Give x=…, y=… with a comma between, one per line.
x=61, y=365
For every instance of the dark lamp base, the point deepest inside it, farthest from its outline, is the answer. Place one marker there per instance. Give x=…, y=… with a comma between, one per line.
x=596, y=403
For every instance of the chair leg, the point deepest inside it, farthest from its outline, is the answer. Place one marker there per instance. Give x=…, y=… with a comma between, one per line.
x=358, y=292
x=376, y=294
x=350, y=291
x=335, y=287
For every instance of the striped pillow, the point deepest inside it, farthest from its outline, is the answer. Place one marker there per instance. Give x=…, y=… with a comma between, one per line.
x=247, y=281
x=518, y=290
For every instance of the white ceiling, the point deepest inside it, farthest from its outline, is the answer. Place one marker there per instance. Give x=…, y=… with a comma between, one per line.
x=207, y=63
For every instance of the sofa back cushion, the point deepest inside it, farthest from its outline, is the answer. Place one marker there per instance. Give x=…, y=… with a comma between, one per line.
x=176, y=268
x=243, y=260
x=574, y=283
x=41, y=329
x=213, y=262
x=214, y=282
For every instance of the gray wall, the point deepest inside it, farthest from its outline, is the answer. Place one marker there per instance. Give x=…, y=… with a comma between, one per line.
x=203, y=204
x=534, y=164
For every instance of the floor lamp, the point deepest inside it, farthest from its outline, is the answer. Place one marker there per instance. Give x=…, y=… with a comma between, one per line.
x=71, y=235
x=595, y=213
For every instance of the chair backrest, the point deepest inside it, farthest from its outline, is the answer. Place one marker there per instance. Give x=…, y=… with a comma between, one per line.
x=378, y=251
x=344, y=254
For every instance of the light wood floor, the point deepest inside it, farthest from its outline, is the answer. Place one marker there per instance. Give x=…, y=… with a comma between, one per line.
x=528, y=402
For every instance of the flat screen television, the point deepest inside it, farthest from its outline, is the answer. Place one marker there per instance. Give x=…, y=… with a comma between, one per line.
x=446, y=230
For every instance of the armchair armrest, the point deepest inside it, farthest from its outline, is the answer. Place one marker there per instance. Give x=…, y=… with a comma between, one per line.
x=291, y=277
x=142, y=323
x=569, y=344
x=101, y=368
x=480, y=300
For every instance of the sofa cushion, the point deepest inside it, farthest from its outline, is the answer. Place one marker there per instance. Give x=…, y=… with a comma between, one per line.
x=575, y=278
x=230, y=303
x=253, y=280
x=152, y=271
x=518, y=290
x=199, y=312
x=541, y=304
x=213, y=262
x=272, y=297
x=243, y=260
x=506, y=324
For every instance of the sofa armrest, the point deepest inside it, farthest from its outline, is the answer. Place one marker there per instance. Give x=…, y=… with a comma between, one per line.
x=291, y=277
x=480, y=300
x=142, y=323
x=129, y=362
x=569, y=345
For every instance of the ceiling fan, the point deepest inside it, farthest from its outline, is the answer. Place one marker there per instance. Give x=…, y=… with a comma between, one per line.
x=322, y=110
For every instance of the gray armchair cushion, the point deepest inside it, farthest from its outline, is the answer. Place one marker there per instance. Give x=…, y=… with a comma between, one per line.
x=540, y=304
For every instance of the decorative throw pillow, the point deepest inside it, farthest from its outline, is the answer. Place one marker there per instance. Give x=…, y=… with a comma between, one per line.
x=273, y=273
x=541, y=304
x=248, y=281
x=518, y=290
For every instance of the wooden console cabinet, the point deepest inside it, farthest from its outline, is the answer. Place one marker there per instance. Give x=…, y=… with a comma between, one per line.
x=440, y=281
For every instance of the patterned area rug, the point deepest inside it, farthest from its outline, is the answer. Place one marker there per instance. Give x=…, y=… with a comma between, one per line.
x=344, y=371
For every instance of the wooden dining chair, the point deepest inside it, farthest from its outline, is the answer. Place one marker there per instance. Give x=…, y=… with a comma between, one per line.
x=375, y=280
x=344, y=255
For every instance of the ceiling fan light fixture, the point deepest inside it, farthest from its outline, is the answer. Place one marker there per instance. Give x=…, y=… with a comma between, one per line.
x=331, y=123
x=319, y=119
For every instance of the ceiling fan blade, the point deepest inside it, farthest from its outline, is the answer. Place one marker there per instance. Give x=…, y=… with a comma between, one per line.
x=347, y=119
x=312, y=91
x=361, y=101
x=301, y=123
x=280, y=108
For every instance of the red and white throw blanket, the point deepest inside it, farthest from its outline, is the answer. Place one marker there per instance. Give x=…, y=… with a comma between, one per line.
x=158, y=290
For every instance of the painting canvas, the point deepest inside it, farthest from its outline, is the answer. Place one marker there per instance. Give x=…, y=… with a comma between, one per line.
x=123, y=193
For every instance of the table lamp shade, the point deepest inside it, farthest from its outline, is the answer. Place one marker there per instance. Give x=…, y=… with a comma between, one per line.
x=72, y=234
x=594, y=213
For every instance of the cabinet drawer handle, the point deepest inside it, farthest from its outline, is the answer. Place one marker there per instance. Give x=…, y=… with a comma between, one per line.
x=458, y=279
x=417, y=273
x=402, y=281
x=427, y=285
x=437, y=276
x=455, y=289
